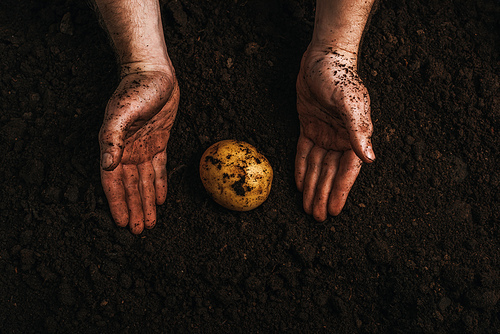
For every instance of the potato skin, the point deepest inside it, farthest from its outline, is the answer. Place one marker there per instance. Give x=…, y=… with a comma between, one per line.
x=236, y=175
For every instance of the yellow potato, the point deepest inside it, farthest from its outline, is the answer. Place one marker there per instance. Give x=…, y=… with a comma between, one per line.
x=236, y=175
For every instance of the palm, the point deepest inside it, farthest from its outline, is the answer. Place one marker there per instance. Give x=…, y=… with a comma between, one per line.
x=148, y=137
x=144, y=107
x=331, y=97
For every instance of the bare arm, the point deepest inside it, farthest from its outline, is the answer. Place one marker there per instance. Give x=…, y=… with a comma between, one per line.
x=341, y=23
x=136, y=31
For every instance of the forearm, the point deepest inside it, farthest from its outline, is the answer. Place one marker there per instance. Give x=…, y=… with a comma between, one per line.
x=340, y=23
x=136, y=31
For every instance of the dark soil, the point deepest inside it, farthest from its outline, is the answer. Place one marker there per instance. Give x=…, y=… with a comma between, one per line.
x=416, y=249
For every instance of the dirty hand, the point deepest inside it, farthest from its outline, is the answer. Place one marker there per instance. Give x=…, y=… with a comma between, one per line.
x=335, y=129
x=133, y=140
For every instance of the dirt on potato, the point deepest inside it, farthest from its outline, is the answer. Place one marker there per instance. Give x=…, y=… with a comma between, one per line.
x=416, y=249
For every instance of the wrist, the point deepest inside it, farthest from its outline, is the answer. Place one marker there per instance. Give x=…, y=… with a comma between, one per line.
x=150, y=65
x=339, y=54
x=152, y=51
x=335, y=42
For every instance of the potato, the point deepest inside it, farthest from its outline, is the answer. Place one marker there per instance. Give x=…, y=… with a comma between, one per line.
x=236, y=175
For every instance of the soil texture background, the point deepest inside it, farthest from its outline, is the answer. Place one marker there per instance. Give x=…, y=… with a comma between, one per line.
x=416, y=249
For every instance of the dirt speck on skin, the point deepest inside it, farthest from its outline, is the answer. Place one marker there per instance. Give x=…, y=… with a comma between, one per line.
x=240, y=187
x=414, y=251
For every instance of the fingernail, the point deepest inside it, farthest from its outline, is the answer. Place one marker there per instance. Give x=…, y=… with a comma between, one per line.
x=369, y=153
x=106, y=160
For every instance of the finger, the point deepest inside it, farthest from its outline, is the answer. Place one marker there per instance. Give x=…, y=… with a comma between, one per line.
x=325, y=183
x=147, y=190
x=314, y=163
x=160, y=168
x=112, y=183
x=347, y=173
x=359, y=125
x=133, y=196
x=304, y=146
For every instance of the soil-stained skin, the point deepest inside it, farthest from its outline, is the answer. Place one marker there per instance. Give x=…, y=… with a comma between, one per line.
x=236, y=175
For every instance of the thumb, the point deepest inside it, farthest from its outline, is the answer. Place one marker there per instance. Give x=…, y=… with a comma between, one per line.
x=112, y=141
x=362, y=146
x=360, y=128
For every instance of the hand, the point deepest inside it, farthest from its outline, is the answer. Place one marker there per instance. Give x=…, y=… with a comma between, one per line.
x=335, y=129
x=133, y=140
